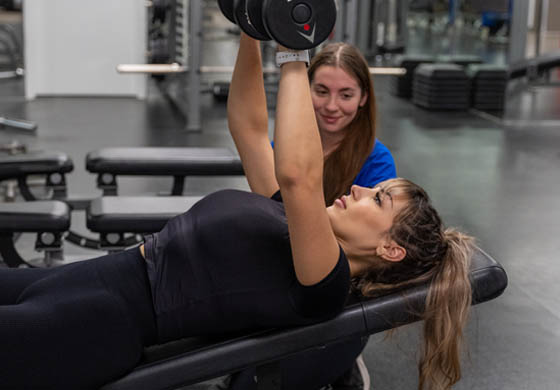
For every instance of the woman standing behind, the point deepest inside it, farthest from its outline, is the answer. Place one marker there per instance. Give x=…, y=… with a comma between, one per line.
x=345, y=108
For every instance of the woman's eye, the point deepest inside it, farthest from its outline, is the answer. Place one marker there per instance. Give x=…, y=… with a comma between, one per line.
x=347, y=97
x=377, y=198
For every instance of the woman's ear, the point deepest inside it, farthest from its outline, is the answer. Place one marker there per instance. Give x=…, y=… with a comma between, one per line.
x=391, y=251
x=363, y=100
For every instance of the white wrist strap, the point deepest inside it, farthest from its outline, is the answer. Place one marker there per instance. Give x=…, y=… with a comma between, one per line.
x=292, y=56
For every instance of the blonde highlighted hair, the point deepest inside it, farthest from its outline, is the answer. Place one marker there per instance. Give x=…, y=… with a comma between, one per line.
x=434, y=255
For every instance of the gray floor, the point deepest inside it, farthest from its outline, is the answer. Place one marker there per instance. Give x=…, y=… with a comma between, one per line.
x=496, y=176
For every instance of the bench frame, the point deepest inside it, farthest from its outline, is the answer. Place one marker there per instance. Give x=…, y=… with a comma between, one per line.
x=188, y=361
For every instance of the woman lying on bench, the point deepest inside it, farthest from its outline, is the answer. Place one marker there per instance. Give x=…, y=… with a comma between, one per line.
x=238, y=261
x=343, y=97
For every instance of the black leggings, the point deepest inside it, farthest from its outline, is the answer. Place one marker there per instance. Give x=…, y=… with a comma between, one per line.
x=74, y=327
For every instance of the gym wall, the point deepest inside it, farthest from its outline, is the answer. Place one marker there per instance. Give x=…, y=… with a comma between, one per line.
x=72, y=47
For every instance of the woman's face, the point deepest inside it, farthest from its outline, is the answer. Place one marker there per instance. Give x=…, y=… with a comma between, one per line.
x=363, y=218
x=337, y=96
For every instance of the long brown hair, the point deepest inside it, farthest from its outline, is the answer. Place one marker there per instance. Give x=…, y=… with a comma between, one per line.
x=441, y=257
x=343, y=165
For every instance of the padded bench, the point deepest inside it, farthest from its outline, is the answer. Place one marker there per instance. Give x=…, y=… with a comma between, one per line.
x=52, y=164
x=107, y=163
x=194, y=360
x=50, y=219
x=115, y=216
x=532, y=68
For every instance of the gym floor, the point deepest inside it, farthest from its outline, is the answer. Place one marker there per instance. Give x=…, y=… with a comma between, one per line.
x=495, y=175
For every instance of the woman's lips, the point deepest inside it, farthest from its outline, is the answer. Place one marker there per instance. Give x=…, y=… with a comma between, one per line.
x=330, y=119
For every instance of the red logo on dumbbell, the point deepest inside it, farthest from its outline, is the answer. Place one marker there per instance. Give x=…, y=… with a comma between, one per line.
x=309, y=37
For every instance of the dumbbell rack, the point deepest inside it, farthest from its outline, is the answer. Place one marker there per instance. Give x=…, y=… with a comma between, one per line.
x=373, y=26
x=184, y=40
x=186, y=34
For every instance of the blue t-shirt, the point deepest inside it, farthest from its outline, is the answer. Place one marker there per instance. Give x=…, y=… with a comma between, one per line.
x=379, y=166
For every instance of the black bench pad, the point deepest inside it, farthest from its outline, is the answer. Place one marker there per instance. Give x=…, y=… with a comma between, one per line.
x=39, y=216
x=539, y=64
x=189, y=361
x=165, y=161
x=135, y=214
x=21, y=165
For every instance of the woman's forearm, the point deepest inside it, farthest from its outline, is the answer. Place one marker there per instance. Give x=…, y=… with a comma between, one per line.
x=246, y=105
x=298, y=160
x=298, y=152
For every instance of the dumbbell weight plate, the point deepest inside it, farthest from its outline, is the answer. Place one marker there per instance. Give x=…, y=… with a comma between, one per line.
x=226, y=6
x=299, y=24
x=254, y=12
x=241, y=17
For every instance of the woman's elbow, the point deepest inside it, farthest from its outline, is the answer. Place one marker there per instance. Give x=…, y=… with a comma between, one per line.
x=298, y=177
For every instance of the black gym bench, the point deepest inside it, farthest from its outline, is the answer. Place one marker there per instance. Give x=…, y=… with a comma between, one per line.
x=532, y=68
x=108, y=163
x=53, y=165
x=193, y=360
x=50, y=219
x=115, y=217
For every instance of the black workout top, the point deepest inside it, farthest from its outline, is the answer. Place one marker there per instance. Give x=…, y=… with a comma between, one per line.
x=226, y=265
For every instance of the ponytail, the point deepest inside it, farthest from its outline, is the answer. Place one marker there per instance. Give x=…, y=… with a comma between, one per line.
x=447, y=306
x=434, y=255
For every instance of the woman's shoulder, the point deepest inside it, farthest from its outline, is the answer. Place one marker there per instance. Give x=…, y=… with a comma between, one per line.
x=380, y=152
x=234, y=194
x=233, y=201
x=378, y=167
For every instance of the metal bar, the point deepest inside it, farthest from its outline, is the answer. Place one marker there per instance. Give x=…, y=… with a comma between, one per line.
x=151, y=68
x=229, y=69
x=391, y=23
x=339, y=26
x=364, y=27
x=195, y=53
x=351, y=21
x=11, y=74
x=175, y=68
x=403, y=22
x=518, y=32
x=19, y=124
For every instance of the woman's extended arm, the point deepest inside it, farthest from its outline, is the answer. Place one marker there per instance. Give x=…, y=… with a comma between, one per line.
x=298, y=158
x=248, y=118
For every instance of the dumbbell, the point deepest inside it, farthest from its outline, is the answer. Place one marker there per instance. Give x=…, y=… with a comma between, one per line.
x=295, y=24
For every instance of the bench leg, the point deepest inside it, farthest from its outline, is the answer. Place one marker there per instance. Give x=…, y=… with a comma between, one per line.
x=9, y=253
x=84, y=242
x=56, y=183
x=178, y=185
x=269, y=377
